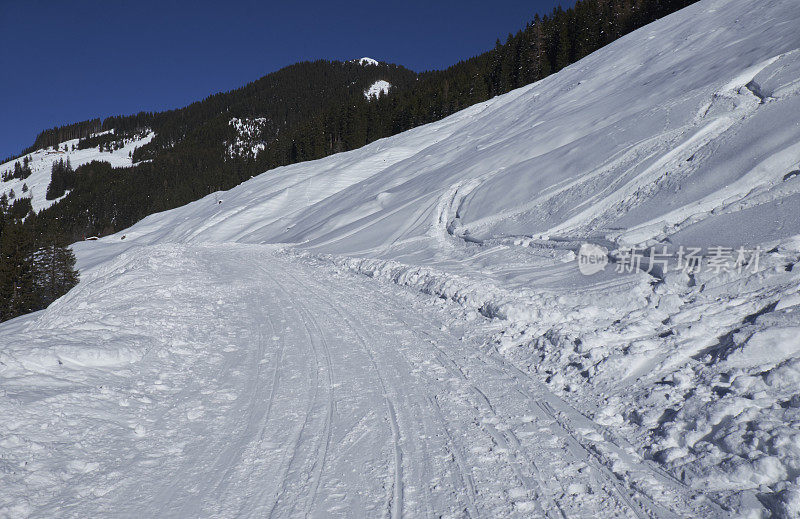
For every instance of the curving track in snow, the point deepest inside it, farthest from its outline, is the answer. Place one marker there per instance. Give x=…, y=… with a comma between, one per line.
x=266, y=386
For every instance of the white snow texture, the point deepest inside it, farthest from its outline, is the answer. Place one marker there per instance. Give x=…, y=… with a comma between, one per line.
x=403, y=329
x=377, y=89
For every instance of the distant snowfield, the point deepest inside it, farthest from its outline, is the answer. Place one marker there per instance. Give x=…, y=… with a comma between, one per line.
x=367, y=61
x=42, y=163
x=404, y=329
x=377, y=89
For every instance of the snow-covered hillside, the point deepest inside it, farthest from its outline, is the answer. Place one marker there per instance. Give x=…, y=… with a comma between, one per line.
x=377, y=89
x=41, y=164
x=405, y=329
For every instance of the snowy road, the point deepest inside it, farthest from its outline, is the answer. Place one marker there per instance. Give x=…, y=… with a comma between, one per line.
x=195, y=371
x=266, y=386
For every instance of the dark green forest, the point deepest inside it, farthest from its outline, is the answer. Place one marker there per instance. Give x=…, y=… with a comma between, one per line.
x=35, y=268
x=310, y=110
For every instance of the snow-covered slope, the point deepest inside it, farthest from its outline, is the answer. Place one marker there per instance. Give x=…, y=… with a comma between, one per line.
x=41, y=164
x=367, y=61
x=377, y=89
x=525, y=387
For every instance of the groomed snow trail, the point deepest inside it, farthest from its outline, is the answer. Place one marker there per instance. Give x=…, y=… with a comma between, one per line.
x=237, y=380
x=197, y=371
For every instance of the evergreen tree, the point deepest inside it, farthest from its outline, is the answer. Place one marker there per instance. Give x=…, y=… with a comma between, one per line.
x=17, y=294
x=62, y=178
x=21, y=171
x=55, y=274
x=34, y=271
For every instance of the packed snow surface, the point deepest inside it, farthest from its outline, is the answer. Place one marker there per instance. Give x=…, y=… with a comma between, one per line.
x=404, y=329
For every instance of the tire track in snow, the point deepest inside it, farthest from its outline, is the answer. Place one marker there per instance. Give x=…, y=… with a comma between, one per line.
x=648, y=506
x=395, y=503
x=481, y=405
x=642, y=506
x=323, y=447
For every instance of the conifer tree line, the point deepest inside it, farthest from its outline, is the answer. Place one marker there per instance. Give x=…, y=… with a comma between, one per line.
x=311, y=110
x=314, y=109
x=112, y=141
x=20, y=171
x=59, y=134
x=35, y=268
x=546, y=45
x=62, y=178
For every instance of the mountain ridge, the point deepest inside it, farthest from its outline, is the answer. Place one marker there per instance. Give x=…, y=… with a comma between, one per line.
x=201, y=148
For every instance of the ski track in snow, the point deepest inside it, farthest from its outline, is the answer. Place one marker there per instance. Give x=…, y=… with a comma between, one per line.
x=402, y=330
x=329, y=396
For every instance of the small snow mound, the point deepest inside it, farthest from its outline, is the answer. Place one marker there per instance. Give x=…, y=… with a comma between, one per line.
x=377, y=89
x=367, y=61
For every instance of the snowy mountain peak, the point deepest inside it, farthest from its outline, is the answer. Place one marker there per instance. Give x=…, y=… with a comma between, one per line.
x=377, y=89
x=367, y=61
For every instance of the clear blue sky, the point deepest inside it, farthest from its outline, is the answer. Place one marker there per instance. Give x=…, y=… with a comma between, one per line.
x=63, y=62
